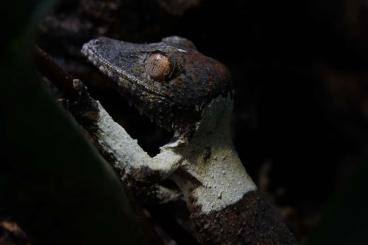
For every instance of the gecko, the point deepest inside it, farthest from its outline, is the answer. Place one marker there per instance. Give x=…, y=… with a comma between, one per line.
x=191, y=95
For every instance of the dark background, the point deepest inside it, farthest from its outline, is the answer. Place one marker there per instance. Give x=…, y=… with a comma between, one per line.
x=300, y=77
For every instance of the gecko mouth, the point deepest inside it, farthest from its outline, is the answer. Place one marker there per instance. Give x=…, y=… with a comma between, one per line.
x=114, y=71
x=138, y=124
x=137, y=118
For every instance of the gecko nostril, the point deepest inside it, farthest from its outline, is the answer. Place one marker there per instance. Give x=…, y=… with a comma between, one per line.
x=158, y=66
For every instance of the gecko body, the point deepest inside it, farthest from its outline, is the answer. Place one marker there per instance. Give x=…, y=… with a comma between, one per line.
x=190, y=94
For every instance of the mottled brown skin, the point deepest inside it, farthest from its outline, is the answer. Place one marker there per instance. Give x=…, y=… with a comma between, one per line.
x=174, y=99
x=172, y=83
x=249, y=221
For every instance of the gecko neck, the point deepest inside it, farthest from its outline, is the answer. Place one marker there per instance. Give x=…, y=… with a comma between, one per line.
x=217, y=177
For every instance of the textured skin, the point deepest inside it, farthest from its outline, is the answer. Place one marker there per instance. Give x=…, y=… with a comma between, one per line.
x=175, y=103
x=193, y=99
x=249, y=221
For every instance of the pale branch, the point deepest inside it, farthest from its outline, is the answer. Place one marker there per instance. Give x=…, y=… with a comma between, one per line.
x=223, y=201
x=112, y=140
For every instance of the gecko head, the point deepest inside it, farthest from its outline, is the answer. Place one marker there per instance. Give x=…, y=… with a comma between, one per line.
x=170, y=81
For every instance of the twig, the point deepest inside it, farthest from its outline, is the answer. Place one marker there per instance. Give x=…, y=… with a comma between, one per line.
x=54, y=73
x=89, y=113
x=111, y=139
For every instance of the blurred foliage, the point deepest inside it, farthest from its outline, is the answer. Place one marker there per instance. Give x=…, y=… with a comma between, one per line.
x=346, y=215
x=52, y=181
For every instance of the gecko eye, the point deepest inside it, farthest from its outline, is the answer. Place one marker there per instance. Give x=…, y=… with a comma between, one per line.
x=158, y=66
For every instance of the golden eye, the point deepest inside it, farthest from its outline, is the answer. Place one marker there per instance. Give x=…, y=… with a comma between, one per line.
x=158, y=66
